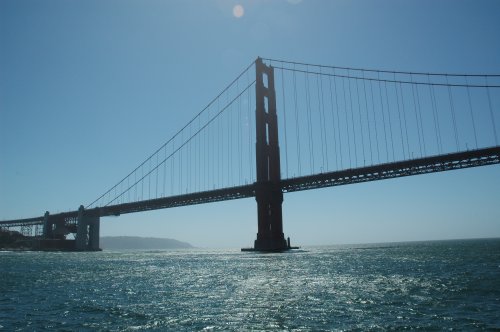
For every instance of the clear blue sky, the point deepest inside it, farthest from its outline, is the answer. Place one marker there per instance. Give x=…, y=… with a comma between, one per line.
x=88, y=89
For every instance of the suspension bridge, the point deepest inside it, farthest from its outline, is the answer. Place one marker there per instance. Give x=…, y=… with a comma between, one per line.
x=337, y=126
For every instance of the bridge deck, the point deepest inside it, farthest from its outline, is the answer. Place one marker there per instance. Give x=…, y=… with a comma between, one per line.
x=440, y=163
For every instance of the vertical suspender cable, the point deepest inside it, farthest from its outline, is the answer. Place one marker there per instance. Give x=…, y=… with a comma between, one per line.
x=452, y=109
x=284, y=115
x=156, y=176
x=352, y=120
x=240, y=156
x=333, y=125
x=200, y=142
x=491, y=111
x=367, y=119
x=231, y=146
x=383, y=118
x=416, y=117
x=249, y=121
x=309, y=124
x=360, y=123
x=172, y=172
x=297, y=127
x=337, y=110
x=404, y=118
x=164, y=171
x=189, y=162
x=228, y=114
x=420, y=117
x=435, y=114
x=321, y=123
x=471, y=113
x=149, y=178
x=399, y=116
x=180, y=163
x=347, y=124
x=375, y=121
x=142, y=182
x=324, y=119
x=220, y=148
x=390, y=122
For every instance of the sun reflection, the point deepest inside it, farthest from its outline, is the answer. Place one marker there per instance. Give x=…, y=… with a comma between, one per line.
x=238, y=11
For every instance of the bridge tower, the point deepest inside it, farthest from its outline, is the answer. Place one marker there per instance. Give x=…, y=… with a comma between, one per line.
x=268, y=192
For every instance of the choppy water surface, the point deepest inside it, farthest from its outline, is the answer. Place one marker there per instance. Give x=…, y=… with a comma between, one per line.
x=426, y=285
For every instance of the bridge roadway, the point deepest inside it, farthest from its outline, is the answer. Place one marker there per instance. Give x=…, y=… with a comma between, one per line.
x=440, y=163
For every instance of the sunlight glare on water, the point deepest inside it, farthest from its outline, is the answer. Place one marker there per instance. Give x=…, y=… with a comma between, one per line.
x=426, y=285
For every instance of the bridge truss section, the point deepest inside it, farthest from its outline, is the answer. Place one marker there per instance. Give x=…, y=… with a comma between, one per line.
x=452, y=161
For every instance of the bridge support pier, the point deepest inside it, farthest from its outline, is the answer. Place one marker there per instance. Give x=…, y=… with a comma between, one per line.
x=54, y=228
x=47, y=226
x=87, y=232
x=270, y=236
x=268, y=192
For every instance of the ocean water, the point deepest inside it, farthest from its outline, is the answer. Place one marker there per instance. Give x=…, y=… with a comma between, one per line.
x=441, y=285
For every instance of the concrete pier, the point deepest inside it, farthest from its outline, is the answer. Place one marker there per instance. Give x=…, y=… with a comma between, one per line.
x=87, y=233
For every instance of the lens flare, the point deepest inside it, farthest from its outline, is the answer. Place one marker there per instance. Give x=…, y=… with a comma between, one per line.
x=238, y=11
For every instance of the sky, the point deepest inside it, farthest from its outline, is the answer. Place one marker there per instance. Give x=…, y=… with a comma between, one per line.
x=88, y=89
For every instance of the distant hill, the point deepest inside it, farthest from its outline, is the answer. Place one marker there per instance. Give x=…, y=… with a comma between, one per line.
x=135, y=242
